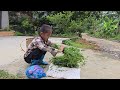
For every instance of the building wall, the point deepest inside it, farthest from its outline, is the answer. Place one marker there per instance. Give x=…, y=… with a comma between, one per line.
x=4, y=20
x=0, y=18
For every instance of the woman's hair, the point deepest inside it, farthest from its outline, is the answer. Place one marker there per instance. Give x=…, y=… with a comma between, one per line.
x=45, y=28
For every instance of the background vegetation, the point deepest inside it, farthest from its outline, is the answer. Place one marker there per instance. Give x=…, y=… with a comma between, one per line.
x=101, y=24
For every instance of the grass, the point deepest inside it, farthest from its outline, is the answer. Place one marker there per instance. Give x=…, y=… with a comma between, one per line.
x=97, y=35
x=81, y=45
x=74, y=42
x=6, y=75
x=22, y=34
x=117, y=37
x=63, y=35
x=18, y=33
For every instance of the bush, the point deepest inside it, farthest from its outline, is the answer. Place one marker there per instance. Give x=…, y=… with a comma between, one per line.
x=117, y=37
x=104, y=27
x=61, y=21
x=75, y=26
x=72, y=58
x=22, y=23
x=64, y=25
x=26, y=24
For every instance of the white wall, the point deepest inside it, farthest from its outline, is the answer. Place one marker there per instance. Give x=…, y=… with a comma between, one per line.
x=5, y=20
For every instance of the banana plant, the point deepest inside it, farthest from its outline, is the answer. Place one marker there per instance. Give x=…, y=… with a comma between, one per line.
x=109, y=27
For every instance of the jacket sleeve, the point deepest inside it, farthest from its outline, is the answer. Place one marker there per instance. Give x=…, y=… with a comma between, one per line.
x=44, y=47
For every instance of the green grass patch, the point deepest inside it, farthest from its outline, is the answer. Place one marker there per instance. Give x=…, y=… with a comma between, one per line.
x=63, y=35
x=73, y=42
x=98, y=35
x=6, y=75
x=18, y=33
x=82, y=45
x=117, y=37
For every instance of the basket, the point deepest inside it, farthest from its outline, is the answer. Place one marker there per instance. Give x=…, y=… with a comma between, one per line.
x=28, y=41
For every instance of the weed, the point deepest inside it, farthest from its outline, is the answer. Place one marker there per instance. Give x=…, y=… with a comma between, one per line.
x=6, y=75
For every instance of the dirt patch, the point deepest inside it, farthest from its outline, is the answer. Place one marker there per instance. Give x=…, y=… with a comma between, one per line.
x=92, y=45
x=113, y=48
x=7, y=33
x=100, y=65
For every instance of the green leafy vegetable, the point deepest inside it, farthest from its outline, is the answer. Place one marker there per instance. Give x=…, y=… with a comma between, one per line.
x=71, y=58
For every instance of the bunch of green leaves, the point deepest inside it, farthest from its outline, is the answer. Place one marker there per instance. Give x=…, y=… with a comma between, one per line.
x=67, y=42
x=72, y=58
x=55, y=46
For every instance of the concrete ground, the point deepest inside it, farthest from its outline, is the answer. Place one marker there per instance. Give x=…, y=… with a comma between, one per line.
x=99, y=65
x=11, y=54
x=10, y=49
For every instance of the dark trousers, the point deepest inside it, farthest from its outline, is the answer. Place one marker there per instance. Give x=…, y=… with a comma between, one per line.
x=35, y=57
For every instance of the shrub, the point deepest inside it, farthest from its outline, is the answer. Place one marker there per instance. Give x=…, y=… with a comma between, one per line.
x=61, y=21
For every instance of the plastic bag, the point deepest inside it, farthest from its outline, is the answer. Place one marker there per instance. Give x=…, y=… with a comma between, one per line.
x=35, y=72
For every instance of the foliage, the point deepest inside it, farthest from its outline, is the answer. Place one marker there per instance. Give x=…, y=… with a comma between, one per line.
x=109, y=27
x=18, y=33
x=27, y=25
x=6, y=75
x=67, y=42
x=75, y=26
x=117, y=37
x=102, y=24
x=55, y=46
x=106, y=28
x=67, y=35
x=71, y=58
x=73, y=42
x=61, y=21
